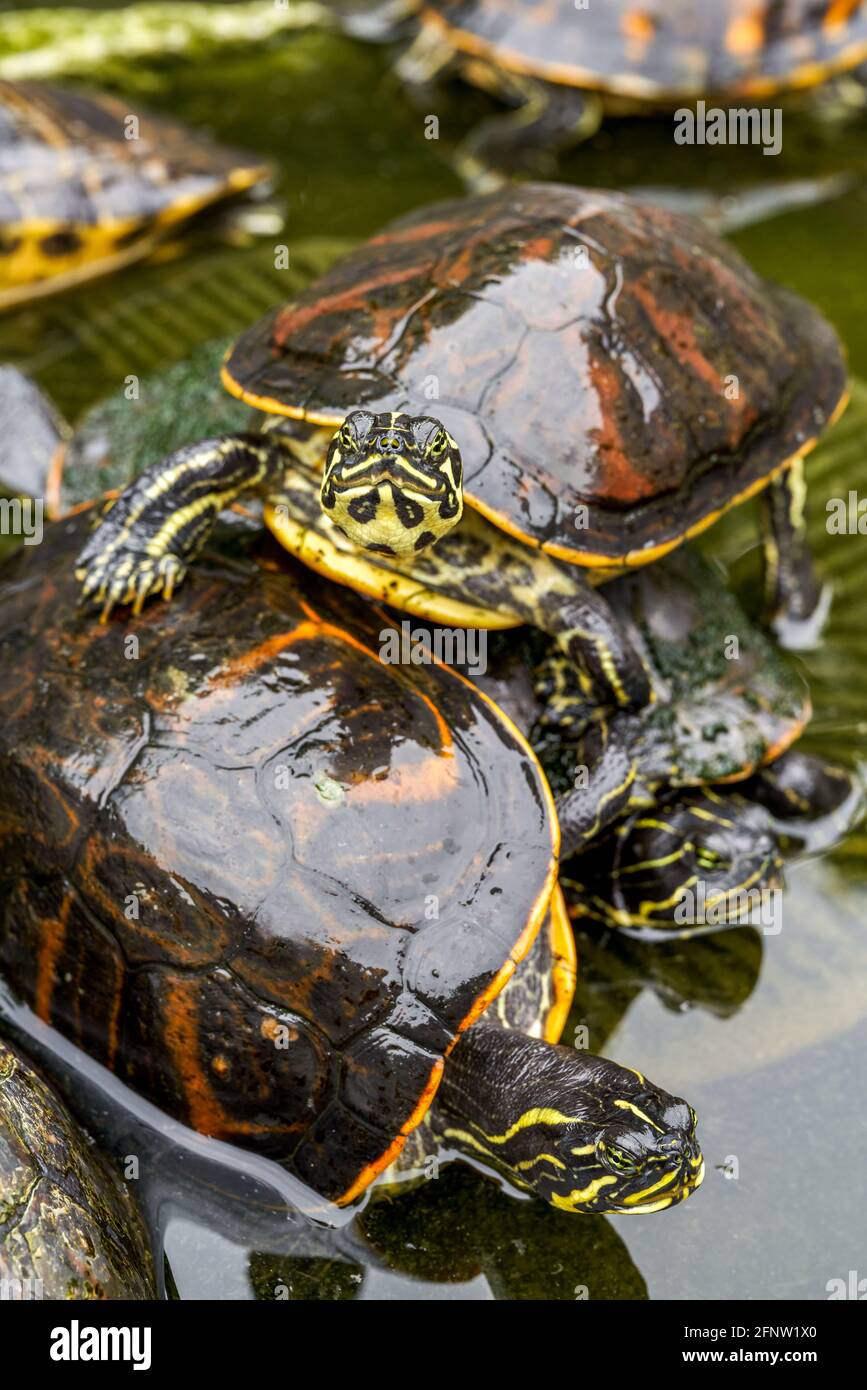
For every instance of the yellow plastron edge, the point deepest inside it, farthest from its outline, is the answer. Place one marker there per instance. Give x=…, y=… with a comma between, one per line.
x=29, y=274
x=365, y=576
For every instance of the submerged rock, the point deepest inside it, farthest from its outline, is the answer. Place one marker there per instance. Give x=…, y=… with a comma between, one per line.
x=68, y=1226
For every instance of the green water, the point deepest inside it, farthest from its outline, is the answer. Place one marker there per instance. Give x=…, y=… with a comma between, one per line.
x=766, y=1036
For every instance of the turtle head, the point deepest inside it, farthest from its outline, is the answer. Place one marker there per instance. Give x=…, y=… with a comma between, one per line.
x=392, y=483
x=621, y=1145
x=582, y=1133
x=646, y=1152
x=699, y=863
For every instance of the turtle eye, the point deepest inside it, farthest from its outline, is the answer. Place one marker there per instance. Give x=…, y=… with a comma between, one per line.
x=355, y=430
x=618, y=1159
x=693, y=1120
x=426, y=431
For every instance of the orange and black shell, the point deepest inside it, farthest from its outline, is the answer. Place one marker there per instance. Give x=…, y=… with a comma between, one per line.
x=264, y=877
x=586, y=350
x=86, y=178
x=661, y=50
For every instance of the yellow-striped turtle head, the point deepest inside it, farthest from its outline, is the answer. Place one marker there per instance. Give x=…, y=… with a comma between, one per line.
x=650, y=1150
x=690, y=866
x=606, y=1140
x=393, y=483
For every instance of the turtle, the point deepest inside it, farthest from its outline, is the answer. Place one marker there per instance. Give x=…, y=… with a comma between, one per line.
x=726, y=703
x=70, y=1228
x=562, y=64
x=608, y=379
x=705, y=785
x=88, y=186
x=727, y=709
x=706, y=859
x=278, y=886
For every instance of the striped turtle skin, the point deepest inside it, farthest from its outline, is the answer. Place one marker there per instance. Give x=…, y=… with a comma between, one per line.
x=661, y=50
x=88, y=183
x=580, y=343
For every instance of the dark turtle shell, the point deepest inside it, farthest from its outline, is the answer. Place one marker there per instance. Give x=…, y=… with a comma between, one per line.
x=585, y=349
x=68, y=1226
x=264, y=877
x=77, y=196
x=658, y=50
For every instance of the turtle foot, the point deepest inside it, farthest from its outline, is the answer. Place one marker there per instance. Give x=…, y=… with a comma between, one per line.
x=126, y=577
x=798, y=628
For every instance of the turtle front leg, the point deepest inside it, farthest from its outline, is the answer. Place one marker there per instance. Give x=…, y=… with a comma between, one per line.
x=478, y=564
x=793, y=596
x=148, y=536
x=608, y=668
x=605, y=786
x=521, y=142
x=428, y=58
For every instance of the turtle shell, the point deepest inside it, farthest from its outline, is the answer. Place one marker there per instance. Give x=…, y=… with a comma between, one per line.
x=70, y=1228
x=615, y=375
x=82, y=191
x=661, y=48
x=264, y=877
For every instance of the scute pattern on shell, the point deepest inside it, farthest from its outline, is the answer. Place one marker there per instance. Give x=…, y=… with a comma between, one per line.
x=219, y=854
x=580, y=344
x=655, y=50
x=64, y=158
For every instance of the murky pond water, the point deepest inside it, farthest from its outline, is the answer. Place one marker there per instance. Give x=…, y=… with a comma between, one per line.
x=765, y=1034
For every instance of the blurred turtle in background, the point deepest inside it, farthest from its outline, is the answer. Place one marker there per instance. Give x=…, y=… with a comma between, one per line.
x=88, y=185
x=561, y=65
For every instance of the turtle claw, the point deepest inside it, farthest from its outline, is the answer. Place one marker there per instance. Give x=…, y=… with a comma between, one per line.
x=127, y=578
x=172, y=571
x=142, y=592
